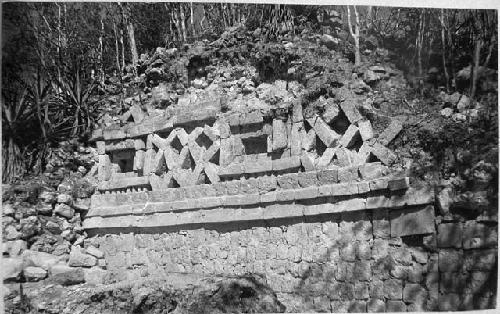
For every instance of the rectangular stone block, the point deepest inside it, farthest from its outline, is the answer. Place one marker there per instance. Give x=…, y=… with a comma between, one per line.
x=479, y=235
x=249, y=199
x=101, y=147
x=399, y=184
x=350, y=136
x=269, y=197
x=343, y=189
x=296, y=139
x=371, y=170
x=307, y=162
x=288, y=181
x=325, y=159
x=331, y=112
x=390, y=132
x=350, y=110
x=363, y=187
x=450, y=260
x=232, y=170
x=481, y=260
x=348, y=174
x=307, y=193
x=393, y=289
x=381, y=224
x=450, y=282
x=113, y=134
x=280, y=139
x=104, y=168
x=258, y=167
x=328, y=136
x=286, y=163
x=365, y=130
x=379, y=184
x=285, y=195
x=149, y=161
x=412, y=221
x=385, y=155
x=450, y=235
x=282, y=211
x=343, y=157
x=307, y=179
x=96, y=135
x=297, y=112
x=139, y=144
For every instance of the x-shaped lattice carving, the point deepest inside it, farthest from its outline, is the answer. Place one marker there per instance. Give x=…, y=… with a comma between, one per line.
x=184, y=159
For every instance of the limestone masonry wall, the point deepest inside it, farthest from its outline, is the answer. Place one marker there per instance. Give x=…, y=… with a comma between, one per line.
x=305, y=200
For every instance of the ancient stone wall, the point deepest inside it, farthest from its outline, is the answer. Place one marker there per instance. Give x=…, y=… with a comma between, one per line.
x=303, y=199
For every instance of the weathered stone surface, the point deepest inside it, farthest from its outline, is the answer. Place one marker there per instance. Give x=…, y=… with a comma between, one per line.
x=327, y=176
x=479, y=235
x=280, y=139
x=331, y=112
x=328, y=136
x=414, y=293
x=481, y=260
x=66, y=275
x=450, y=235
x=376, y=306
x=14, y=248
x=94, y=275
x=348, y=174
x=350, y=136
x=80, y=259
x=385, y=155
x=412, y=221
x=395, y=306
x=390, y=132
x=11, y=268
x=393, y=289
x=40, y=259
x=365, y=130
x=371, y=171
x=92, y=250
x=450, y=260
x=32, y=273
x=350, y=110
x=286, y=163
x=399, y=184
x=307, y=179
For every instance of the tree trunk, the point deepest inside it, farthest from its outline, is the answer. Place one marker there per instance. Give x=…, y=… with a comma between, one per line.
x=191, y=19
x=443, y=43
x=420, y=40
x=123, y=51
x=12, y=161
x=133, y=46
x=101, y=48
x=475, y=68
x=354, y=33
x=490, y=51
x=183, y=21
x=117, y=49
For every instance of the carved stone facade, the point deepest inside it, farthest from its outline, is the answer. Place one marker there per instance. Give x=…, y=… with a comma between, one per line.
x=303, y=198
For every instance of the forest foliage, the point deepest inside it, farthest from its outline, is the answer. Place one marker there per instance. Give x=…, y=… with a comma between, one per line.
x=57, y=58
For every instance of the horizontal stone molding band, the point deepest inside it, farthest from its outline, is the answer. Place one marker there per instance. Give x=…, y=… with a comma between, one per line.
x=204, y=196
x=161, y=123
x=263, y=183
x=152, y=215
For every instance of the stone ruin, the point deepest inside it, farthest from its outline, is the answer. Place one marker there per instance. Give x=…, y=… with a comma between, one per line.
x=305, y=199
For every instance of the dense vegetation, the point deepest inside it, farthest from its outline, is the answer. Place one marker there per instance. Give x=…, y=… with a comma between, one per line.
x=61, y=60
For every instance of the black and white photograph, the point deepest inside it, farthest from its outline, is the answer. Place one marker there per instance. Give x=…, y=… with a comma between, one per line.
x=242, y=157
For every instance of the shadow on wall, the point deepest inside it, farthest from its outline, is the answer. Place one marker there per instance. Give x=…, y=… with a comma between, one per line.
x=367, y=270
